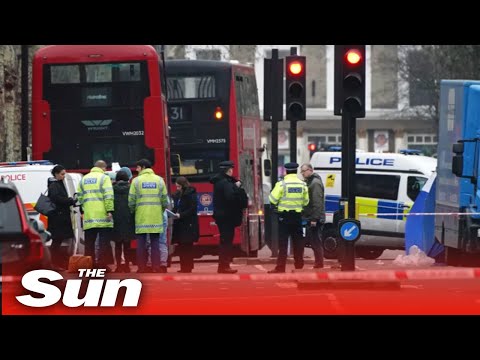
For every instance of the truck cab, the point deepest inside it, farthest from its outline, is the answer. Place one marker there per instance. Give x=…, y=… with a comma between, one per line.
x=457, y=201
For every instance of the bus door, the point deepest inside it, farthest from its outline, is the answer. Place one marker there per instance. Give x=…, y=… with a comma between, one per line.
x=250, y=233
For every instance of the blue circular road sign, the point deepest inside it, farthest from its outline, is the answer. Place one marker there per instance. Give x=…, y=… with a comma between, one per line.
x=350, y=230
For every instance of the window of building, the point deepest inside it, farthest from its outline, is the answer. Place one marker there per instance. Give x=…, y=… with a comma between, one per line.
x=426, y=143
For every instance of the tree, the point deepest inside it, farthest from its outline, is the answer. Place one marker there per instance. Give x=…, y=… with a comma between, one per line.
x=423, y=66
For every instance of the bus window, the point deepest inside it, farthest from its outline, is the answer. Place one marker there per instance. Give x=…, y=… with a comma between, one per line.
x=191, y=87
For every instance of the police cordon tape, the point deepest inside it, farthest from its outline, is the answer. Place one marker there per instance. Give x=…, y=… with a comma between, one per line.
x=407, y=274
x=415, y=214
x=413, y=274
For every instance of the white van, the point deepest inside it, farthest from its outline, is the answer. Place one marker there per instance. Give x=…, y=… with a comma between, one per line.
x=31, y=179
x=387, y=184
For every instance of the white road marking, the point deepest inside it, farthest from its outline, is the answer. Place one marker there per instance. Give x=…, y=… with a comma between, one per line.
x=406, y=286
x=335, y=304
x=261, y=268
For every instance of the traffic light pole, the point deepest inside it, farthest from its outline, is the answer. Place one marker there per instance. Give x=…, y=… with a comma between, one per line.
x=273, y=109
x=349, y=130
x=349, y=102
x=293, y=140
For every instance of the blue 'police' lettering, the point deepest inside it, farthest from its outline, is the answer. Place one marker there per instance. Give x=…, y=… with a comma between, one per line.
x=149, y=185
x=367, y=161
x=376, y=162
x=90, y=181
x=295, y=190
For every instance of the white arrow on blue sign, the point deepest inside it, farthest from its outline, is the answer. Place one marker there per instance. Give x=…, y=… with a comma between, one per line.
x=349, y=231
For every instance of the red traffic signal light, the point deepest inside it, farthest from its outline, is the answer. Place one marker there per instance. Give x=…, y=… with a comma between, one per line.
x=312, y=147
x=350, y=80
x=353, y=56
x=295, y=89
x=295, y=68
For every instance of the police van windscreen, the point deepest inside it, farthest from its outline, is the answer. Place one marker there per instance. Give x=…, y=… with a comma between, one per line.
x=96, y=112
x=198, y=119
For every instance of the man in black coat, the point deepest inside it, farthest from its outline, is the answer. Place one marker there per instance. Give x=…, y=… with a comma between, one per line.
x=226, y=212
x=60, y=222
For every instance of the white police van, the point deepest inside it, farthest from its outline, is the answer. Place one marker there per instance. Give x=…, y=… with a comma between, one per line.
x=31, y=179
x=386, y=186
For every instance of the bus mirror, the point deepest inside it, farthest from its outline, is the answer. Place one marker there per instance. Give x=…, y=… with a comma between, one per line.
x=175, y=163
x=457, y=165
x=458, y=148
x=267, y=167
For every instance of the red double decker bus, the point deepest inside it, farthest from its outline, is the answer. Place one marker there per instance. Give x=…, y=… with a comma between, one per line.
x=93, y=102
x=214, y=116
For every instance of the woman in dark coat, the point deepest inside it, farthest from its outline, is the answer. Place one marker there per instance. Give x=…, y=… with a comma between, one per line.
x=123, y=221
x=185, y=225
x=60, y=222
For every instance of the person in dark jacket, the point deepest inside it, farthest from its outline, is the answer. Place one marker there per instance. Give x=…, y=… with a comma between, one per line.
x=314, y=212
x=226, y=212
x=185, y=225
x=60, y=222
x=123, y=222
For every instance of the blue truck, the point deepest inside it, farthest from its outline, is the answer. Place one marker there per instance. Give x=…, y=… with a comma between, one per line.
x=457, y=199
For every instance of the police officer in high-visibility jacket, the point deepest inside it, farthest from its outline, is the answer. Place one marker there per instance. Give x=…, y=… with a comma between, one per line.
x=95, y=195
x=290, y=196
x=148, y=199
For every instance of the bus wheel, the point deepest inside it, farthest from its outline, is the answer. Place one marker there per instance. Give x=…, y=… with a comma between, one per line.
x=369, y=253
x=330, y=243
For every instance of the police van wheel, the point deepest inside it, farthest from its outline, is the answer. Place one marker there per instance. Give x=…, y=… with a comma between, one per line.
x=368, y=253
x=330, y=244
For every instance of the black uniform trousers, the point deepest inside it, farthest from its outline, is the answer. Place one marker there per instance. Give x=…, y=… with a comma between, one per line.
x=227, y=231
x=105, y=250
x=290, y=225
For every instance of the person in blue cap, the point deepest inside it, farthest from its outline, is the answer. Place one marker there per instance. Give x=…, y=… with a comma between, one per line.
x=227, y=212
x=290, y=196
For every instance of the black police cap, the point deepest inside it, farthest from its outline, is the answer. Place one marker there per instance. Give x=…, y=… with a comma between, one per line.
x=226, y=165
x=291, y=166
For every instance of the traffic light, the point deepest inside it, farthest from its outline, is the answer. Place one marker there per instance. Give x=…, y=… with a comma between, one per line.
x=312, y=148
x=350, y=80
x=295, y=94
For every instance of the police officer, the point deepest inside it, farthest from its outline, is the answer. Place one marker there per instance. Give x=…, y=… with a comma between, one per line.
x=95, y=195
x=290, y=196
x=148, y=200
x=225, y=213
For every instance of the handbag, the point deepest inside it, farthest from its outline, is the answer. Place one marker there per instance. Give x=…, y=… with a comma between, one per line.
x=45, y=205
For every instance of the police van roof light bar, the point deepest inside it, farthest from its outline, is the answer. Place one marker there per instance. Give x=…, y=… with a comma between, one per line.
x=410, y=152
